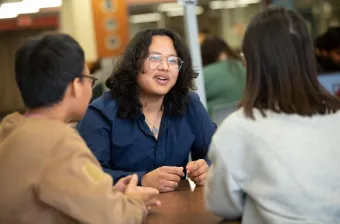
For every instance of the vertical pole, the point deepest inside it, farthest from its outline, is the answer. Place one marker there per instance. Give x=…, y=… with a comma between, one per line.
x=194, y=46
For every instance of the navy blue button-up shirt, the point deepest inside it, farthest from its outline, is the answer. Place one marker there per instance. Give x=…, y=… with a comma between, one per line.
x=127, y=146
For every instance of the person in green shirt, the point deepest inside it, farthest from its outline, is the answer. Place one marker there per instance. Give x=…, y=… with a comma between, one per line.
x=224, y=76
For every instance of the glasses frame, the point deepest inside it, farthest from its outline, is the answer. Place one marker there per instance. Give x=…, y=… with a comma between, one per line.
x=167, y=57
x=94, y=79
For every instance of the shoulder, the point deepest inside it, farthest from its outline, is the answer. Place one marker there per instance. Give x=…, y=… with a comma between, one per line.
x=237, y=122
x=51, y=131
x=104, y=106
x=214, y=68
x=100, y=113
x=193, y=97
x=195, y=111
x=194, y=103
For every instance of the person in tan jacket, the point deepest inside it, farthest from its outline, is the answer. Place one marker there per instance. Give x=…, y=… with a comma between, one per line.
x=47, y=173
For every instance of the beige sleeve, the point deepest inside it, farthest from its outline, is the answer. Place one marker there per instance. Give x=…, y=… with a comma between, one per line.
x=74, y=183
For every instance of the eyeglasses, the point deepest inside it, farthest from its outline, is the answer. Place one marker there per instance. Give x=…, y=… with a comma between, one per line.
x=174, y=63
x=92, y=78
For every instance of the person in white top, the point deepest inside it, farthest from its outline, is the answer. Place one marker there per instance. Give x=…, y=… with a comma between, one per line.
x=277, y=158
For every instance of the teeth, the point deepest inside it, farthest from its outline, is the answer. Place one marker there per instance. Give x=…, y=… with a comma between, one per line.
x=161, y=78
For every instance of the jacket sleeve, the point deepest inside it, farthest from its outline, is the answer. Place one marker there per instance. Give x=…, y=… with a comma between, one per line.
x=74, y=183
x=96, y=130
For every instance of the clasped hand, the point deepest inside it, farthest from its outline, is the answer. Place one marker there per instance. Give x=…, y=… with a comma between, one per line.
x=166, y=178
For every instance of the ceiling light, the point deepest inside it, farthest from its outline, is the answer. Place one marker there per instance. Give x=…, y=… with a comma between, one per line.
x=13, y=9
x=19, y=8
x=145, y=18
x=216, y=5
x=45, y=3
x=230, y=4
x=7, y=15
x=166, y=7
x=199, y=11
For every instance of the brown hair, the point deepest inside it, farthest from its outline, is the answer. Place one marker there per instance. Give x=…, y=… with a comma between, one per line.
x=212, y=47
x=281, y=68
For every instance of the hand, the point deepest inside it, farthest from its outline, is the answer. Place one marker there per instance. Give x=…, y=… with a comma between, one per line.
x=122, y=184
x=146, y=194
x=165, y=178
x=197, y=171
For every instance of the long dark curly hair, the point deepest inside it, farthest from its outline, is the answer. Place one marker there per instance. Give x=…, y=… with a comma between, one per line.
x=123, y=84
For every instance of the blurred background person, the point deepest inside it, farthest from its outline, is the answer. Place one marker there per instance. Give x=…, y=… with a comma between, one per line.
x=276, y=159
x=224, y=76
x=327, y=51
x=202, y=35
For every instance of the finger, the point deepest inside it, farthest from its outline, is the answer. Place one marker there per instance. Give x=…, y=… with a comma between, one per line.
x=200, y=179
x=170, y=177
x=125, y=180
x=196, y=165
x=191, y=167
x=190, y=163
x=200, y=183
x=174, y=170
x=149, y=192
x=171, y=184
x=120, y=187
x=133, y=181
x=166, y=189
x=203, y=169
x=122, y=183
x=153, y=202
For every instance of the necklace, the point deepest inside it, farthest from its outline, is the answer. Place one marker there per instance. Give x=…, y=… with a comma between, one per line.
x=154, y=129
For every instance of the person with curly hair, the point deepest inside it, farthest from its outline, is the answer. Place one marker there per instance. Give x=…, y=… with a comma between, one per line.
x=150, y=120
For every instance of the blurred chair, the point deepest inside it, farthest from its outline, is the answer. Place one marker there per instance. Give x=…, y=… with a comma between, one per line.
x=220, y=112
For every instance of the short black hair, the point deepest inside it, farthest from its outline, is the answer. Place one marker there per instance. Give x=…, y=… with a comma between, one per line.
x=45, y=66
x=281, y=67
x=330, y=40
x=123, y=83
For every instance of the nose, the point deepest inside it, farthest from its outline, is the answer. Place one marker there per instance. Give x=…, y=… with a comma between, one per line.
x=164, y=65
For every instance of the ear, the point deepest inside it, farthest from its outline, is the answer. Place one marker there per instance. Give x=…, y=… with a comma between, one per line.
x=77, y=87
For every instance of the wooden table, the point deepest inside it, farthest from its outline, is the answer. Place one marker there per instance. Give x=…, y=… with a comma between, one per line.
x=183, y=206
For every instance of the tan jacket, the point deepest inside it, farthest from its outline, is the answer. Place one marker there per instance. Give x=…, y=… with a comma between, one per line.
x=48, y=175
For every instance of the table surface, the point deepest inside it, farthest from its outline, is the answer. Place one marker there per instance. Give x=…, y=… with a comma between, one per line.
x=183, y=206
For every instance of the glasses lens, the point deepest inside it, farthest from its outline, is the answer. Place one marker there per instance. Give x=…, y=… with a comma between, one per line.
x=175, y=63
x=154, y=61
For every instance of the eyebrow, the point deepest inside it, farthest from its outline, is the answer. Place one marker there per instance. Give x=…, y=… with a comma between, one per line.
x=155, y=52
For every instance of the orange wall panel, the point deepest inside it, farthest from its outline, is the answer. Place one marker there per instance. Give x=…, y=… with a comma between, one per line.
x=141, y=2
x=111, y=26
